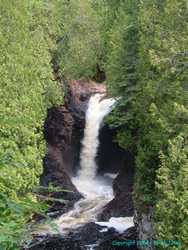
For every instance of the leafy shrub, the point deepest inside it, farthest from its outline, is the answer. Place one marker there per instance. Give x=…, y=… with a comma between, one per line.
x=80, y=46
x=25, y=94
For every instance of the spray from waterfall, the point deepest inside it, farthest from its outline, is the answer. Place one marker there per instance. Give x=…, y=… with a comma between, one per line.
x=98, y=108
x=97, y=192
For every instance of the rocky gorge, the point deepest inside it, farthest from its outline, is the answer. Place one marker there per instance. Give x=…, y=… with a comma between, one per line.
x=64, y=131
x=93, y=125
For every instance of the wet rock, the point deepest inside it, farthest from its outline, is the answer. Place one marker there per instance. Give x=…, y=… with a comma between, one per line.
x=126, y=240
x=110, y=157
x=55, y=174
x=63, y=131
x=84, y=237
x=55, y=243
x=79, y=92
x=58, y=129
x=58, y=160
x=122, y=204
x=90, y=234
x=79, y=238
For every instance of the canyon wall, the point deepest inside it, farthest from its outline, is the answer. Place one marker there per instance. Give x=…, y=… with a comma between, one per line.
x=63, y=131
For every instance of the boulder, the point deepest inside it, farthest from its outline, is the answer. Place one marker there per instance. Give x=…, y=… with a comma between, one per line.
x=89, y=236
x=122, y=204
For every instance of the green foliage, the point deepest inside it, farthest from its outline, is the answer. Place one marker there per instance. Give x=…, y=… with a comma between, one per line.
x=27, y=89
x=122, y=54
x=142, y=47
x=80, y=46
x=172, y=189
x=14, y=214
x=147, y=66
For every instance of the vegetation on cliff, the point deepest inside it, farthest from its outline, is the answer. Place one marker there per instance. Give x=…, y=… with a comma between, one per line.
x=142, y=48
x=147, y=66
x=143, y=51
x=27, y=88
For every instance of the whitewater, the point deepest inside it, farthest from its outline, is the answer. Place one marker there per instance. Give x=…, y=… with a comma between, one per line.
x=96, y=190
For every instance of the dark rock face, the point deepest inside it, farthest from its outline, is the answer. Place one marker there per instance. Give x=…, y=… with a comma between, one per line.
x=110, y=157
x=56, y=174
x=122, y=204
x=58, y=160
x=63, y=131
x=127, y=240
x=79, y=92
x=55, y=243
x=76, y=102
x=88, y=235
x=58, y=129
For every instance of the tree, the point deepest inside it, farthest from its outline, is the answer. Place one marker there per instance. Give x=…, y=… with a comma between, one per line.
x=26, y=76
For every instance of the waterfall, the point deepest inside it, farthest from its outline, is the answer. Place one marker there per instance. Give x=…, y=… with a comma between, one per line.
x=98, y=108
x=98, y=191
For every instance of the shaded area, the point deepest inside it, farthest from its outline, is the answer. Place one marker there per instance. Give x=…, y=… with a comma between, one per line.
x=88, y=235
x=110, y=157
x=59, y=159
x=122, y=204
x=113, y=159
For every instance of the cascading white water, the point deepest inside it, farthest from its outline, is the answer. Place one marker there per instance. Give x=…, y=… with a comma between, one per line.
x=98, y=108
x=97, y=191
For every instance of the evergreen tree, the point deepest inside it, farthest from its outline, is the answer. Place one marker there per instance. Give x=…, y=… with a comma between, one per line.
x=25, y=93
